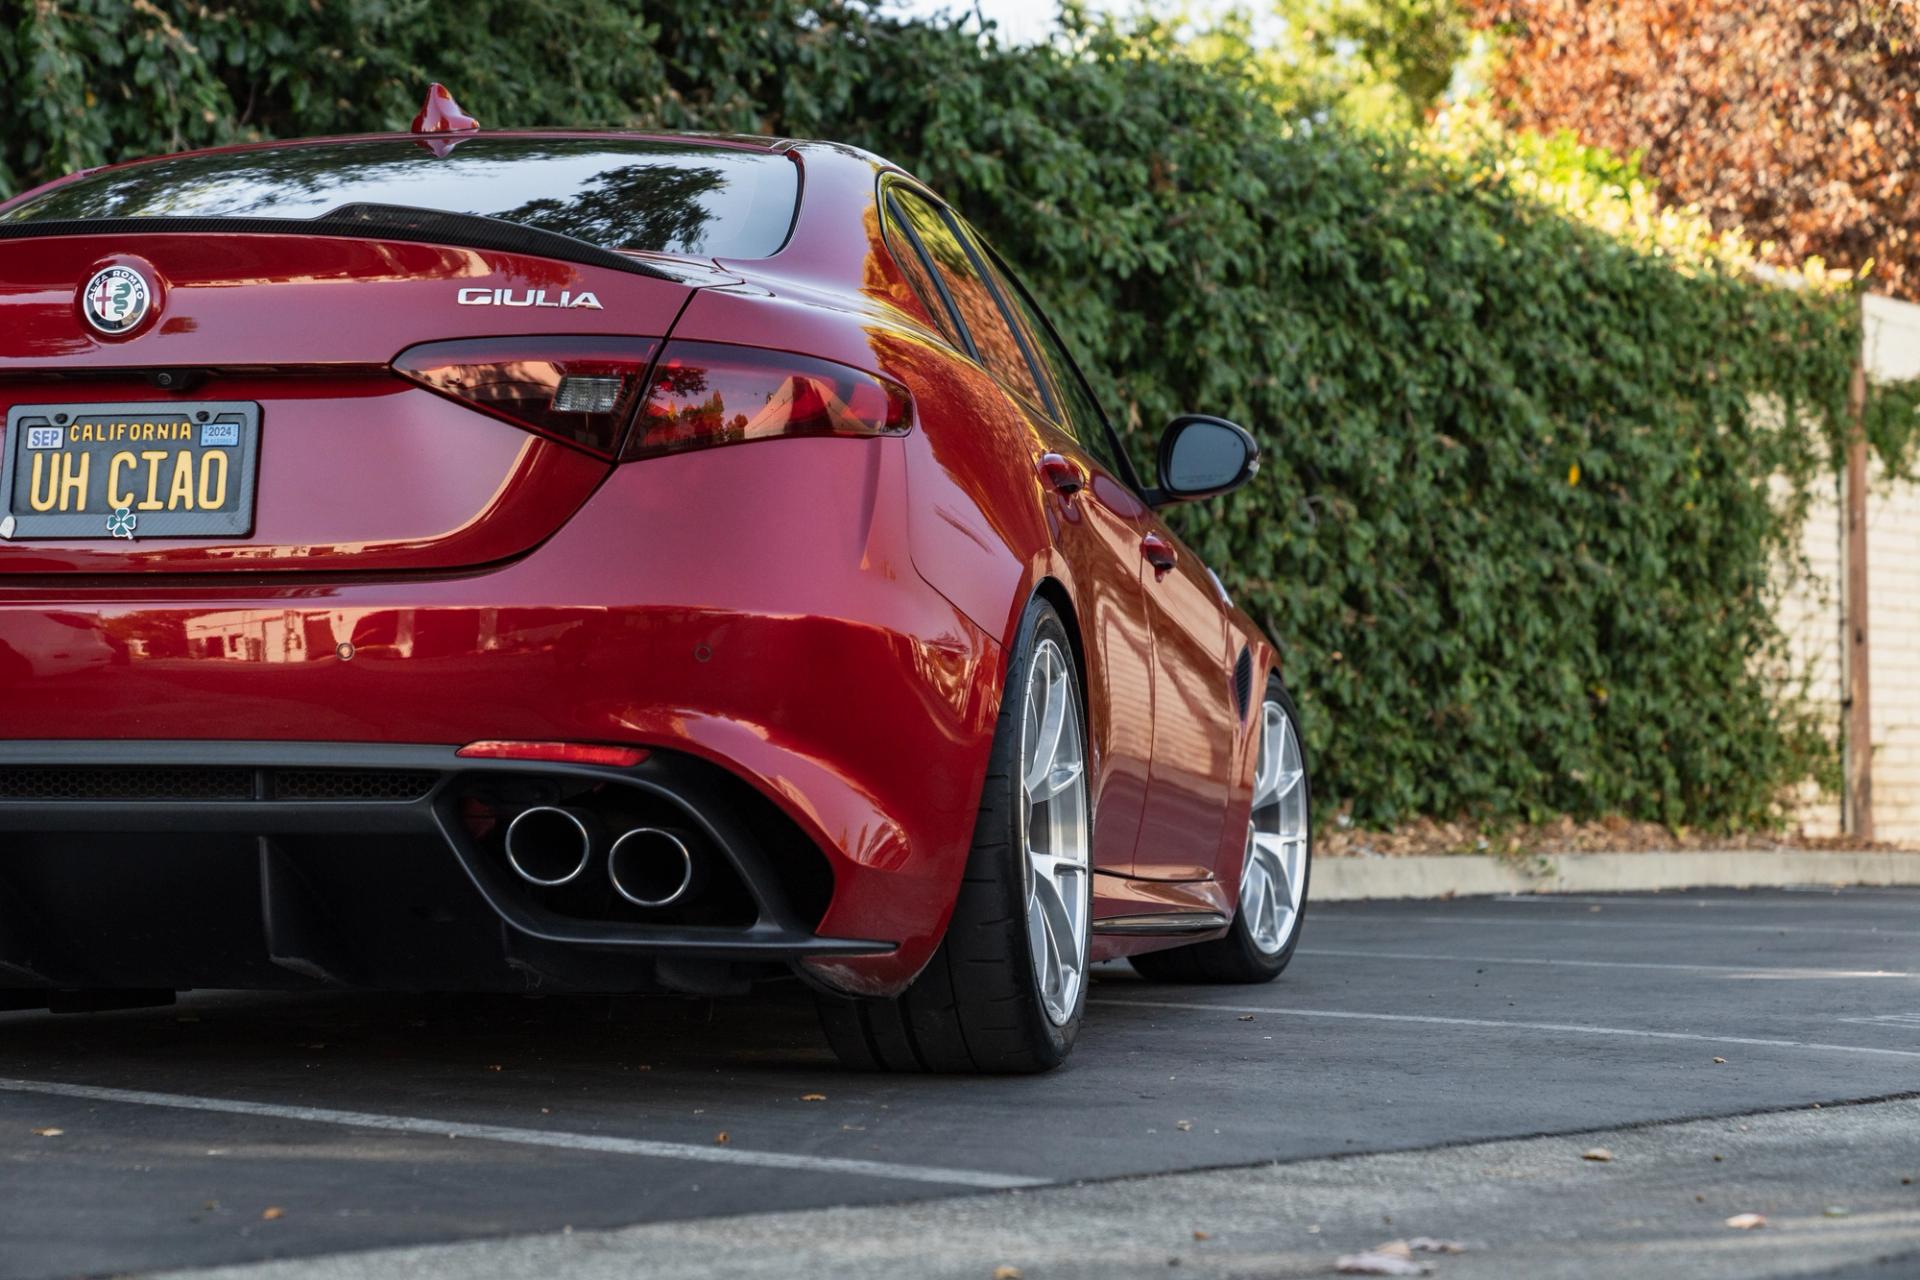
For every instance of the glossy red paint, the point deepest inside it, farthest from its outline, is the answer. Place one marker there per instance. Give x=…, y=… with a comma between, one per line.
x=825, y=618
x=441, y=114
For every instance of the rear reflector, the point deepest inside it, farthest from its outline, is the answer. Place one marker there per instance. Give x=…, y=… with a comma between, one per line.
x=555, y=752
x=706, y=393
x=578, y=390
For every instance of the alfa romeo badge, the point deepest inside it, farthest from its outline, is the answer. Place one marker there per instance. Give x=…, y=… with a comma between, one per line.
x=116, y=299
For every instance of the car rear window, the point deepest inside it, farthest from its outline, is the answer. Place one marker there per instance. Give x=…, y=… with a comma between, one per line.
x=662, y=196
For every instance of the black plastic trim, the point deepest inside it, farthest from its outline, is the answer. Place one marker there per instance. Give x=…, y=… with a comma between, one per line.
x=1170, y=923
x=778, y=934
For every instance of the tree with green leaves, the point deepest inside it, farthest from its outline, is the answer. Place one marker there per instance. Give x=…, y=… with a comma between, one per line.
x=1379, y=61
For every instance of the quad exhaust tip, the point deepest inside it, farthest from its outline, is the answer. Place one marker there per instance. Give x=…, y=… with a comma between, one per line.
x=651, y=867
x=549, y=846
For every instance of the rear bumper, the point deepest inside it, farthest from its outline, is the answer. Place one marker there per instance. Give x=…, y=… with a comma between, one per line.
x=199, y=864
x=753, y=609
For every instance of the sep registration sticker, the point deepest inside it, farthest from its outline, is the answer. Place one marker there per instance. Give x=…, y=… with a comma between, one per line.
x=46, y=437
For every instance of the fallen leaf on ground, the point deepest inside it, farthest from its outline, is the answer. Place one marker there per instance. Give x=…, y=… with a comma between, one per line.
x=272, y=1212
x=49, y=1132
x=1719, y=1059
x=1747, y=1221
x=1006, y=1273
x=722, y=1138
x=1246, y=1017
x=1184, y=1126
x=1838, y=1211
x=813, y=1097
x=1599, y=1155
x=1427, y=1244
x=1203, y=1235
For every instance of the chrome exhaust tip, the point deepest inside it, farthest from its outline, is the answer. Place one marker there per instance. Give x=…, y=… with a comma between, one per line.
x=549, y=846
x=651, y=867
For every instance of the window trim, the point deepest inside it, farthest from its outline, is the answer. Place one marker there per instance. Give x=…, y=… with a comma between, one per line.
x=976, y=245
x=891, y=216
x=1130, y=478
x=1041, y=382
x=972, y=347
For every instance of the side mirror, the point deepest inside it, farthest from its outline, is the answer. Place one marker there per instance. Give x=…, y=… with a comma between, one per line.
x=1201, y=456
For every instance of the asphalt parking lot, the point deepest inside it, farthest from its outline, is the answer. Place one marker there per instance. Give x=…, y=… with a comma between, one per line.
x=1431, y=1068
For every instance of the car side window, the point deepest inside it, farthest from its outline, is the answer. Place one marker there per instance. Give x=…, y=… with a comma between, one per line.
x=910, y=254
x=994, y=340
x=1080, y=413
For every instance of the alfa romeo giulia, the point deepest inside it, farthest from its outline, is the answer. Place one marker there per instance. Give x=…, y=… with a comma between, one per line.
x=607, y=562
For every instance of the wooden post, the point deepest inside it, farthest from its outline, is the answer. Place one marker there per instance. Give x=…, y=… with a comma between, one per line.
x=1857, y=808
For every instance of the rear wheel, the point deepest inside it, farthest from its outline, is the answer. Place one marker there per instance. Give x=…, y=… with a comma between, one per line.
x=1273, y=881
x=1006, y=990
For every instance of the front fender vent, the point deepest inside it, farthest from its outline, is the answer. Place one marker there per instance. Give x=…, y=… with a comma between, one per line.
x=1243, y=682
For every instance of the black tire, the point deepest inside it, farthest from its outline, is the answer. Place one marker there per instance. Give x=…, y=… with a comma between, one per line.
x=1233, y=957
x=976, y=1007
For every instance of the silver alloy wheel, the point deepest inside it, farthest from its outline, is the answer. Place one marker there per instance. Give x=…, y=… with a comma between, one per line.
x=1276, y=870
x=1054, y=830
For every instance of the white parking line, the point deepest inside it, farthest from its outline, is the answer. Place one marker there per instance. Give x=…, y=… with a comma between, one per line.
x=1574, y=1028
x=532, y=1137
x=1333, y=915
x=1691, y=902
x=1735, y=970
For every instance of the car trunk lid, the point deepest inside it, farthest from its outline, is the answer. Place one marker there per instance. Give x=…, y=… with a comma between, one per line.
x=359, y=468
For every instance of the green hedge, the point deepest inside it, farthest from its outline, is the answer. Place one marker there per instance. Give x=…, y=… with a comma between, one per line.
x=1515, y=533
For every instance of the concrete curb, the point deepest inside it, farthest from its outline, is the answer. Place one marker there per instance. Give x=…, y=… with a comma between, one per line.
x=1352, y=879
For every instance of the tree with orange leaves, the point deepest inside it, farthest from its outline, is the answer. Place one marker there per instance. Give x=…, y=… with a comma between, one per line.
x=1791, y=119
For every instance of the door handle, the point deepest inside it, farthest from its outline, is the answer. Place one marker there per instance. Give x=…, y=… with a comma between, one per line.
x=1159, y=553
x=1066, y=478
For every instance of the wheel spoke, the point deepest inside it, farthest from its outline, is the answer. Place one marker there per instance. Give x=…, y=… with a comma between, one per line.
x=1058, y=961
x=1280, y=881
x=1054, y=781
x=1053, y=909
x=1273, y=878
x=1053, y=826
x=1046, y=746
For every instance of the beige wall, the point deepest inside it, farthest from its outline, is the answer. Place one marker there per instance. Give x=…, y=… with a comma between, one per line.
x=1811, y=611
x=1810, y=616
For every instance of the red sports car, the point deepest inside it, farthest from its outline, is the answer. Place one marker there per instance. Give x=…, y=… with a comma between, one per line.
x=561, y=561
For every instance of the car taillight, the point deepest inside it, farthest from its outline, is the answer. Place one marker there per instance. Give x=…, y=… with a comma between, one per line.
x=705, y=393
x=578, y=390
